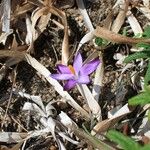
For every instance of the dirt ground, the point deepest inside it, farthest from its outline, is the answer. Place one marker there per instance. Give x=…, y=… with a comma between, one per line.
x=116, y=89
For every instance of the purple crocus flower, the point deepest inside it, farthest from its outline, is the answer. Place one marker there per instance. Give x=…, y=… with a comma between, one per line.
x=76, y=74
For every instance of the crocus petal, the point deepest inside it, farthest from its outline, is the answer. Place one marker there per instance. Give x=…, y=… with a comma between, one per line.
x=69, y=84
x=77, y=64
x=89, y=67
x=83, y=79
x=63, y=69
x=62, y=76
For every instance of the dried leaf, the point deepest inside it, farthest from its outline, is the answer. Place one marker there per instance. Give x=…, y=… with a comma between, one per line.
x=134, y=23
x=12, y=137
x=68, y=138
x=61, y=145
x=96, y=91
x=85, y=15
x=89, y=36
x=92, y=103
x=88, y=24
x=50, y=110
x=6, y=9
x=65, y=120
x=106, y=124
x=29, y=36
x=146, y=3
x=33, y=108
x=65, y=45
x=21, y=10
x=35, y=99
x=51, y=124
x=117, y=24
x=4, y=36
x=12, y=54
x=145, y=11
x=17, y=146
x=43, y=22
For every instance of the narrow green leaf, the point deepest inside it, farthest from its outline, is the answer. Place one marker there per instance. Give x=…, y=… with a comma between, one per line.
x=144, y=45
x=146, y=32
x=147, y=75
x=146, y=147
x=125, y=142
x=140, y=99
x=147, y=89
x=124, y=31
x=137, y=55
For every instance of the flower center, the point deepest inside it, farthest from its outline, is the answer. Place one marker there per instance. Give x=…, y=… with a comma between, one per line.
x=71, y=69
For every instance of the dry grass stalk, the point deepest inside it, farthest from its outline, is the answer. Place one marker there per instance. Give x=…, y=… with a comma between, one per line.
x=117, y=38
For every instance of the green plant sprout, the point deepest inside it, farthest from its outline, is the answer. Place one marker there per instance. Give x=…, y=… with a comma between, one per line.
x=100, y=42
x=145, y=54
x=125, y=142
x=142, y=98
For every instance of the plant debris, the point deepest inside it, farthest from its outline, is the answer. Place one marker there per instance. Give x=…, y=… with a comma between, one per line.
x=105, y=104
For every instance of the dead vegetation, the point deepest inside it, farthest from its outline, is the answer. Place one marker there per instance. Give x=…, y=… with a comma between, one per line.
x=35, y=36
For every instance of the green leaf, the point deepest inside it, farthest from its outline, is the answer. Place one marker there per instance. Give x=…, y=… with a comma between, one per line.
x=125, y=142
x=141, y=99
x=100, y=42
x=147, y=89
x=137, y=55
x=138, y=35
x=147, y=75
x=144, y=45
x=146, y=147
x=146, y=32
x=124, y=31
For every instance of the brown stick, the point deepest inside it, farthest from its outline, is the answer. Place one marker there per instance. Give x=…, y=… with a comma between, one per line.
x=118, y=38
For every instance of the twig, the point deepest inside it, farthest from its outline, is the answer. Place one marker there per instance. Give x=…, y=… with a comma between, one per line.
x=9, y=100
x=117, y=38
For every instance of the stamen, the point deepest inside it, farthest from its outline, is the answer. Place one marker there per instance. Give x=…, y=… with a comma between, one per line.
x=71, y=69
